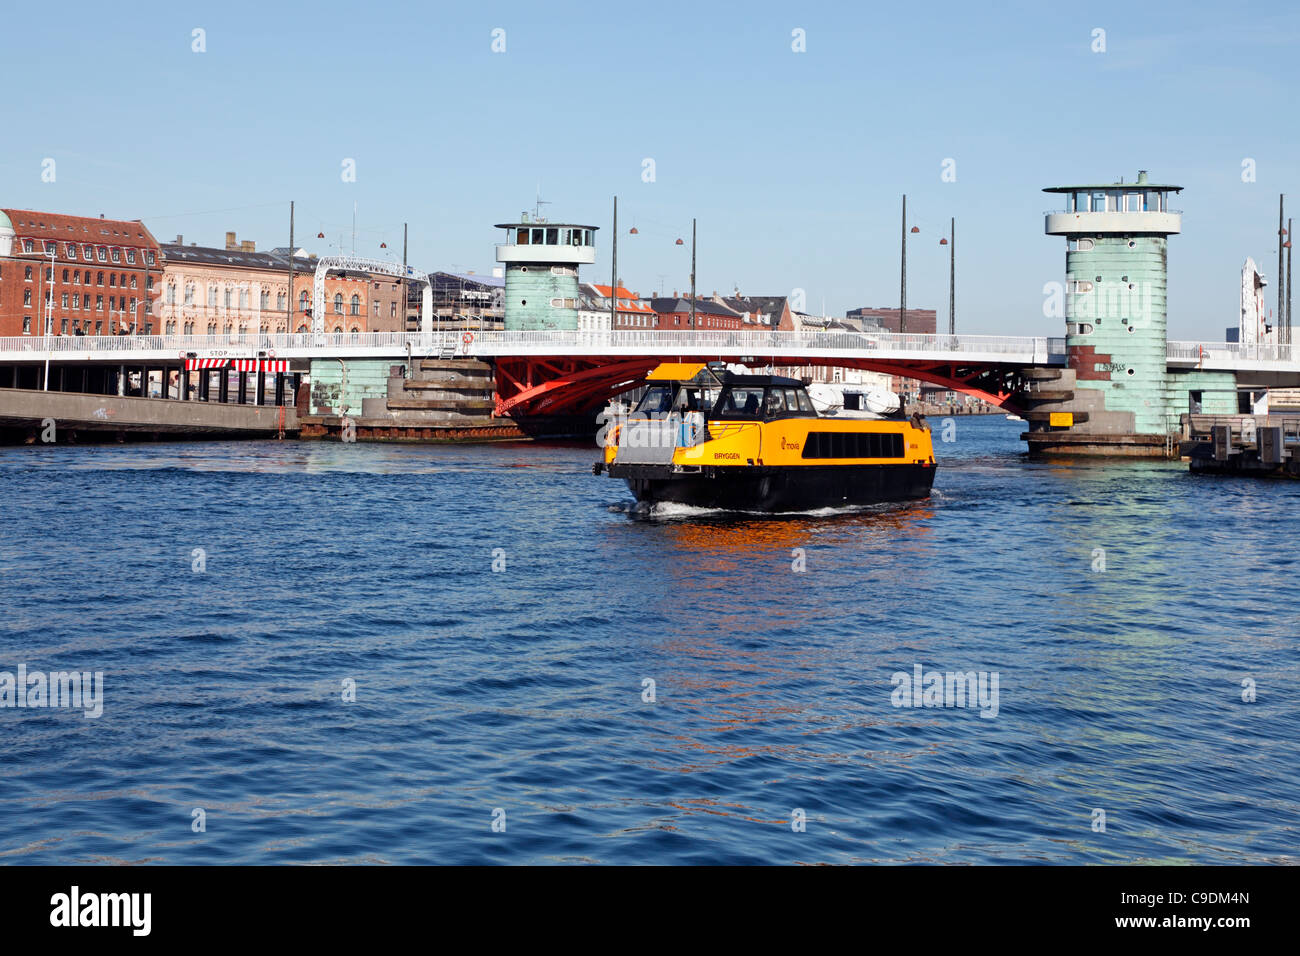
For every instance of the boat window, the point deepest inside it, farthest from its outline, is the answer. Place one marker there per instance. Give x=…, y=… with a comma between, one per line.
x=741, y=401
x=847, y=444
x=805, y=403
x=658, y=398
x=775, y=404
x=521, y=239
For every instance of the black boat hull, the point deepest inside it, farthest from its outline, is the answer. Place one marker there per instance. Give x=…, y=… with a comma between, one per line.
x=794, y=488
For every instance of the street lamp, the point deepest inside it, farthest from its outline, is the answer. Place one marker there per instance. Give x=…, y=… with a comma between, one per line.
x=49, y=320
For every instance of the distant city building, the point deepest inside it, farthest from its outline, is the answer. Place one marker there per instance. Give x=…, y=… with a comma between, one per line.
x=919, y=321
x=461, y=300
x=101, y=281
x=762, y=311
x=631, y=312
x=236, y=290
x=674, y=314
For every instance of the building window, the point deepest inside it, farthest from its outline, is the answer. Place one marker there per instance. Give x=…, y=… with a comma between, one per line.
x=279, y=301
x=76, y=277
x=338, y=304
x=64, y=300
x=27, y=297
x=392, y=310
x=99, y=303
x=102, y=254
x=130, y=256
x=27, y=274
x=72, y=251
x=112, y=280
x=27, y=325
x=356, y=306
x=65, y=275
x=117, y=254
x=264, y=300
x=302, y=302
x=28, y=246
x=99, y=327
x=99, y=278
x=134, y=305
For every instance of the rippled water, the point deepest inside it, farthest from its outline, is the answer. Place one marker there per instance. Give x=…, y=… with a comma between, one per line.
x=522, y=690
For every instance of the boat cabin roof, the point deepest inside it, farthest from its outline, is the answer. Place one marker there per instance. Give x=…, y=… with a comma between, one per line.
x=700, y=374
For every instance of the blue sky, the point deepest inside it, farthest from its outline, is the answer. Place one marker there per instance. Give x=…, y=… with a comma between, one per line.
x=793, y=163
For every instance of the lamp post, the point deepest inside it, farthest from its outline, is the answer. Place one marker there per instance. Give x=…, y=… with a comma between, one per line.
x=49, y=307
x=902, y=295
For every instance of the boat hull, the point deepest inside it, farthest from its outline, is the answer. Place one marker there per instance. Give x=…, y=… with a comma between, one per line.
x=772, y=489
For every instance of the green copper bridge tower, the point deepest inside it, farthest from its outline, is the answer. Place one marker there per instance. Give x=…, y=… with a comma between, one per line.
x=1117, y=394
x=542, y=260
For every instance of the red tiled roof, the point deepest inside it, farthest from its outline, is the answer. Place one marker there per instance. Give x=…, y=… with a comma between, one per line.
x=634, y=304
x=33, y=224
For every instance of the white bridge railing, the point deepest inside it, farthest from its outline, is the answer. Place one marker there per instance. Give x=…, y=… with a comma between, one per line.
x=703, y=343
x=1027, y=349
x=1232, y=354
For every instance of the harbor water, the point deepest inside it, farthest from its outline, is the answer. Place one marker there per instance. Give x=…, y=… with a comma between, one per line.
x=363, y=653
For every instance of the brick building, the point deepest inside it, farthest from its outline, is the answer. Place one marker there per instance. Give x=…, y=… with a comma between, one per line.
x=99, y=281
x=674, y=314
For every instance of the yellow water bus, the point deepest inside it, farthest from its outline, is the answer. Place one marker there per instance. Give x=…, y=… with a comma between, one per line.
x=707, y=436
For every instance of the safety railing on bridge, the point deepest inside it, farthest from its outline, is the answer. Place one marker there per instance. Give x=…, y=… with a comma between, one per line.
x=206, y=343
x=739, y=342
x=766, y=342
x=1220, y=353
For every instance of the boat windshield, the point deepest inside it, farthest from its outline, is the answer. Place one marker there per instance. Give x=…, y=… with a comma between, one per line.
x=694, y=398
x=658, y=398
